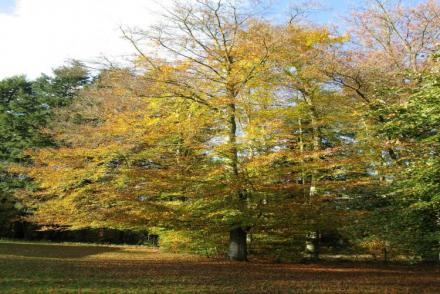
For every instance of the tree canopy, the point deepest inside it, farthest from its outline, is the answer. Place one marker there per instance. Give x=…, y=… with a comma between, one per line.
x=243, y=132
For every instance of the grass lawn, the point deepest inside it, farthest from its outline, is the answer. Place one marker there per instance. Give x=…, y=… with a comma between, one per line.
x=78, y=268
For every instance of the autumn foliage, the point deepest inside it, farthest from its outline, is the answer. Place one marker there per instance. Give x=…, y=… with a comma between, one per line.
x=267, y=136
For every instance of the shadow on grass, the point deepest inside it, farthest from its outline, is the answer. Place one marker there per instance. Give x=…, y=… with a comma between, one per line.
x=61, y=270
x=52, y=250
x=208, y=277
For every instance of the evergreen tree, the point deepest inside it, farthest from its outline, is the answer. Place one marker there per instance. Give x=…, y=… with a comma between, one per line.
x=26, y=109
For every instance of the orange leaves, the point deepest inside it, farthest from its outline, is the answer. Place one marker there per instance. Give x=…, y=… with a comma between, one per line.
x=221, y=135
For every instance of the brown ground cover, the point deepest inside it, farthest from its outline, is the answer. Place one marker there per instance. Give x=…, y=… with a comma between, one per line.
x=62, y=268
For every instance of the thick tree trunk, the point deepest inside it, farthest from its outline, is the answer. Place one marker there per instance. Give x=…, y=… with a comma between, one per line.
x=313, y=238
x=237, y=236
x=237, y=245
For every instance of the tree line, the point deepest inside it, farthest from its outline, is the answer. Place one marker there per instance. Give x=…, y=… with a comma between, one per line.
x=232, y=134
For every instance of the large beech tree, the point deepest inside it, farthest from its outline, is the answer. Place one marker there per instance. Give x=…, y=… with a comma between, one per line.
x=198, y=137
x=217, y=51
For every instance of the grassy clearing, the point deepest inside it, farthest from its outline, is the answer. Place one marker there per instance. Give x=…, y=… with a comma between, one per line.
x=78, y=268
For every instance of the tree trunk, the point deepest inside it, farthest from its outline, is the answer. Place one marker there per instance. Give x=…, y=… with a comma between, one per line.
x=313, y=238
x=237, y=237
x=237, y=245
x=385, y=252
x=431, y=257
x=313, y=246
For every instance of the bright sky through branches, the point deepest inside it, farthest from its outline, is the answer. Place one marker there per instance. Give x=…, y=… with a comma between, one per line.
x=37, y=35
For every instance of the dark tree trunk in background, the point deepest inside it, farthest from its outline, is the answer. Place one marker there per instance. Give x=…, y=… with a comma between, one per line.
x=431, y=257
x=19, y=230
x=237, y=245
x=313, y=246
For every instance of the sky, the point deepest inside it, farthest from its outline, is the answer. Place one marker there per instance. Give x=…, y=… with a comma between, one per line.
x=7, y=5
x=39, y=35
x=329, y=11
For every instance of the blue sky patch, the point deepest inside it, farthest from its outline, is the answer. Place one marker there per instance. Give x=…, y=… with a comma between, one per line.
x=7, y=5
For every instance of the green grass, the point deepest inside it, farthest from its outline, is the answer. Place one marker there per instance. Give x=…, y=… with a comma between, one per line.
x=79, y=268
